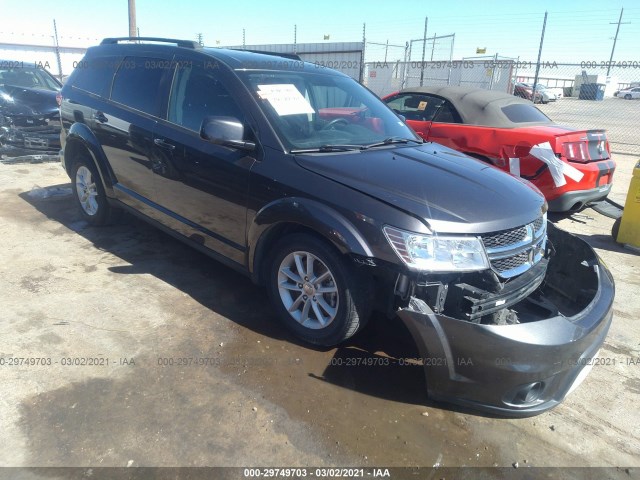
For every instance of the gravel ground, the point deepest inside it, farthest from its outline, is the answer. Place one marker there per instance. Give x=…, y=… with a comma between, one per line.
x=136, y=301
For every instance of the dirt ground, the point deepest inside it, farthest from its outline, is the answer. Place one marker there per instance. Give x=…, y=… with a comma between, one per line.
x=131, y=302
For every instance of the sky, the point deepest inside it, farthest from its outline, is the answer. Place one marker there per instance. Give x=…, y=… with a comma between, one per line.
x=576, y=30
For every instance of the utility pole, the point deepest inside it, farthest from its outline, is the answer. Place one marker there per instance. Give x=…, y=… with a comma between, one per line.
x=424, y=45
x=55, y=32
x=132, y=18
x=295, y=39
x=199, y=38
x=243, y=40
x=619, y=22
x=535, y=79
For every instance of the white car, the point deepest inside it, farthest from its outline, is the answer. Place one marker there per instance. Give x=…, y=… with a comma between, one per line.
x=548, y=94
x=557, y=91
x=629, y=93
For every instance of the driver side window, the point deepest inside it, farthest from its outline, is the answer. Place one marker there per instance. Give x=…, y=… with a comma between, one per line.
x=416, y=106
x=196, y=94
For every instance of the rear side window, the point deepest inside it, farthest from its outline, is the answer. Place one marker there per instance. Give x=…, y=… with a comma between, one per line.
x=523, y=113
x=447, y=114
x=137, y=84
x=95, y=75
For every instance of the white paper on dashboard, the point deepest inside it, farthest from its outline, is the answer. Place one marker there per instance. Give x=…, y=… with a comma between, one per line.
x=285, y=98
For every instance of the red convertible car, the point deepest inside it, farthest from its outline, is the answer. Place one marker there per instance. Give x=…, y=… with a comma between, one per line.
x=572, y=168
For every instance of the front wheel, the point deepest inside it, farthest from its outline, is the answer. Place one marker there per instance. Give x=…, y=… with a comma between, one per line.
x=320, y=297
x=90, y=195
x=627, y=96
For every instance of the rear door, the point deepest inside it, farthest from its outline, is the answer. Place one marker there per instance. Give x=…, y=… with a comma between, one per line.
x=124, y=126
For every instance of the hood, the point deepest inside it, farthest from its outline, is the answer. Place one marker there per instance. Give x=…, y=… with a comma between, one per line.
x=31, y=101
x=449, y=191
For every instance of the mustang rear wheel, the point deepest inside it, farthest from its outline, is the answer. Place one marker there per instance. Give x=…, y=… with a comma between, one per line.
x=318, y=295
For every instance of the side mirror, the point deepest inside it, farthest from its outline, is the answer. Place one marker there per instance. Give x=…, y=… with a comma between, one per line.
x=227, y=131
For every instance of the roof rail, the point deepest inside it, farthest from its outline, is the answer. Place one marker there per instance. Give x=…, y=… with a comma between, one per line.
x=181, y=43
x=290, y=56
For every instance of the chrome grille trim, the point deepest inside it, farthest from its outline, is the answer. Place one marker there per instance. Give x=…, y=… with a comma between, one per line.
x=513, y=252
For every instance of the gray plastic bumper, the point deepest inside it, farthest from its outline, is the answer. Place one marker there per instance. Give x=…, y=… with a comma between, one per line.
x=522, y=369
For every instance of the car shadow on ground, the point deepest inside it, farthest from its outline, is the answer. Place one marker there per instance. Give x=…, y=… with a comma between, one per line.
x=381, y=357
x=600, y=241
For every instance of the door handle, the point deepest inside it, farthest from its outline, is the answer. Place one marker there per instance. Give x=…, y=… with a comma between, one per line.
x=162, y=144
x=100, y=117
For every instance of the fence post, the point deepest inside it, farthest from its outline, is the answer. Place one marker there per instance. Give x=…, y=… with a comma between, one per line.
x=364, y=43
x=424, y=45
x=453, y=39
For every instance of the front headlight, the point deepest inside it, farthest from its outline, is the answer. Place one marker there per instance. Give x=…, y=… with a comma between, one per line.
x=438, y=253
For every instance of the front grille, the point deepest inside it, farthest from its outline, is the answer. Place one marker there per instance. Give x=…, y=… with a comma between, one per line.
x=505, y=238
x=513, y=252
x=509, y=263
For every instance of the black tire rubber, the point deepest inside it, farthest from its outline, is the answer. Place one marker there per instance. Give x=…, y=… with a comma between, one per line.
x=106, y=214
x=615, y=229
x=627, y=97
x=354, y=290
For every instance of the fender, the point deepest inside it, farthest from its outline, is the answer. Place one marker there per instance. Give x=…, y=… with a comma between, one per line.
x=79, y=133
x=308, y=213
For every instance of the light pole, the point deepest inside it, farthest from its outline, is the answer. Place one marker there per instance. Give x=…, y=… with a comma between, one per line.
x=132, y=19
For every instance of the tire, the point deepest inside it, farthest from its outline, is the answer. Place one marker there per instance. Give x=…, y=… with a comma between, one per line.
x=90, y=195
x=321, y=318
x=615, y=229
x=627, y=97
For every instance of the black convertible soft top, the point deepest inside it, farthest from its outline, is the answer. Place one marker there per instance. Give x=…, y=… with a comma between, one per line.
x=477, y=106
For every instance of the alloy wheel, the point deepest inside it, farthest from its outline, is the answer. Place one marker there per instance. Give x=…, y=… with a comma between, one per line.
x=308, y=290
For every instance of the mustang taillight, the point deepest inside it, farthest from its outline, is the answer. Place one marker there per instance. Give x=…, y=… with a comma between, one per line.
x=576, y=151
x=586, y=151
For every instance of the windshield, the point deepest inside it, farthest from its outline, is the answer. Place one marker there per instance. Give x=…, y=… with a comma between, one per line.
x=29, y=78
x=323, y=112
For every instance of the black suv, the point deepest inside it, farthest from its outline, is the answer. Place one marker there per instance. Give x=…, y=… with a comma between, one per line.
x=304, y=180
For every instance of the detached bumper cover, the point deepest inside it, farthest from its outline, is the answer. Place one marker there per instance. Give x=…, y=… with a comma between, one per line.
x=522, y=369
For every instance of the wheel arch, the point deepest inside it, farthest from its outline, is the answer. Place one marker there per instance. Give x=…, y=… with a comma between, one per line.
x=300, y=215
x=81, y=142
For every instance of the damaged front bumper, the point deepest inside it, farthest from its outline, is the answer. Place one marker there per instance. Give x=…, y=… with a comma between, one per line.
x=38, y=140
x=525, y=368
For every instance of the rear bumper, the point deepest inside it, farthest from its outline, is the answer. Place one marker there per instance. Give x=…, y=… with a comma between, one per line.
x=523, y=369
x=575, y=200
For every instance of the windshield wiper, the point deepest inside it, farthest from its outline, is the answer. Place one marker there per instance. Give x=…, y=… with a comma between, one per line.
x=344, y=148
x=328, y=148
x=390, y=141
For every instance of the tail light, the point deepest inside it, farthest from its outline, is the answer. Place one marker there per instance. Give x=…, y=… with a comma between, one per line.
x=576, y=151
x=59, y=99
x=586, y=151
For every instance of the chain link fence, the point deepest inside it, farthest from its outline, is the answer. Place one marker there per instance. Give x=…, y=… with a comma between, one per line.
x=580, y=94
